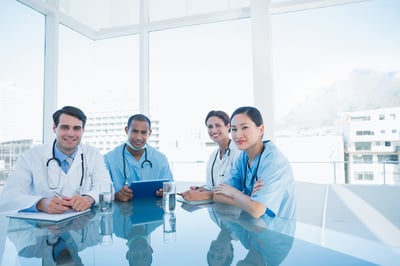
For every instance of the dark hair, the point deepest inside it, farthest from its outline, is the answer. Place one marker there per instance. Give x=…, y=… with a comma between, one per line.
x=72, y=111
x=139, y=117
x=251, y=112
x=220, y=114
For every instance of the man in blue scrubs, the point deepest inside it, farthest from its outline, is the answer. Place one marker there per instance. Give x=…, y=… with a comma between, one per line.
x=136, y=160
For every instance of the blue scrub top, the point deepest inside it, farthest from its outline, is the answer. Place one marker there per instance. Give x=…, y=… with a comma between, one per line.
x=136, y=170
x=278, y=192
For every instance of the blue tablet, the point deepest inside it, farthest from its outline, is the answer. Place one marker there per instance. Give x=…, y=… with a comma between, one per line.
x=146, y=188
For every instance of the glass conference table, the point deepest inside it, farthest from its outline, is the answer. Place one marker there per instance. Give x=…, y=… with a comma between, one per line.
x=139, y=233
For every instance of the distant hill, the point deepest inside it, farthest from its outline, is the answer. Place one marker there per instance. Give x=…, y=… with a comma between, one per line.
x=363, y=89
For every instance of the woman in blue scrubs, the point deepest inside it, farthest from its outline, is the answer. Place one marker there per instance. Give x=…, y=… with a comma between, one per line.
x=261, y=181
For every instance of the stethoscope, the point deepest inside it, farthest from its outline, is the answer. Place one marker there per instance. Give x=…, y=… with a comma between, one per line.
x=227, y=152
x=53, y=158
x=255, y=172
x=146, y=161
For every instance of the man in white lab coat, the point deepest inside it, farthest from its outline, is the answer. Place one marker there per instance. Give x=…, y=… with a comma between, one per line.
x=57, y=177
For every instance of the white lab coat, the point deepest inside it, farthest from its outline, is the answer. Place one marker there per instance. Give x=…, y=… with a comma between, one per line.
x=28, y=182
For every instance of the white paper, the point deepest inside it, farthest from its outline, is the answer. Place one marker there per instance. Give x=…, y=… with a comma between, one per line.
x=47, y=216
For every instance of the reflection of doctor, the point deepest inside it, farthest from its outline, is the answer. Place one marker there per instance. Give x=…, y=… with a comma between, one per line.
x=44, y=169
x=268, y=240
x=139, y=251
x=56, y=243
x=220, y=251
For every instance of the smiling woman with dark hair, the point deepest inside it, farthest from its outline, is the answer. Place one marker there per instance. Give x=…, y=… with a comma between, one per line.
x=221, y=159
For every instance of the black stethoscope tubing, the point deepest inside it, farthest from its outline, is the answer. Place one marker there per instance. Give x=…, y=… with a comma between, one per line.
x=256, y=171
x=59, y=163
x=142, y=165
x=228, y=152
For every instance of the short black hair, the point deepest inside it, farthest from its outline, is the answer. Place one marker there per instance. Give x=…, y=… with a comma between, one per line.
x=139, y=117
x=72, y=111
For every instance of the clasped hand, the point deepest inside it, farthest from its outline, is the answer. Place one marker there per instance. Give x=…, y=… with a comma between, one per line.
x=196, y=193
x=56, y=205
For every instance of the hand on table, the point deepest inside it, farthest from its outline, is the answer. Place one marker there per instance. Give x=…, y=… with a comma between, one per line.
x=57, y=205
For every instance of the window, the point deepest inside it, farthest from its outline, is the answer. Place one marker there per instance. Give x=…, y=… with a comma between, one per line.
x=388, y=144
x=101, y=77
x=361, y=176
x=323, y=66
x=381, y=117
x=388, y=158
x=360, y=118
x=363, y=146
x=21, y=72
x=21, y=81
x=206, y=67
x=364, y=133
x=362, y=158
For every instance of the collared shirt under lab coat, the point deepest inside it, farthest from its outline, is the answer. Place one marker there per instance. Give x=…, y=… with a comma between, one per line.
x=28, y=182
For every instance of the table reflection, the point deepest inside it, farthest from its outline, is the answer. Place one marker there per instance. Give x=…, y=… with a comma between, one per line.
x=55, y=244
x=139, y=233
x=135, y=221
x=267, y=240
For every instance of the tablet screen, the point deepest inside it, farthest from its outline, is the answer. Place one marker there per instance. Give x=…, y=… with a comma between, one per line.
x=146, y=188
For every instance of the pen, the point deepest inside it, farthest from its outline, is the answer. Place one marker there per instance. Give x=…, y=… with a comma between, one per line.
x=57, y=195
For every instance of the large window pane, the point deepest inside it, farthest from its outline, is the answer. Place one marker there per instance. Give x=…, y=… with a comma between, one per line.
x=98, y=76
x=102, y=78
x=21, y=81
x=329, y=61
x=192, y=71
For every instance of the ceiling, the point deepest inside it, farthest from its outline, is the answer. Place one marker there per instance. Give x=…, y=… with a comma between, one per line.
x=100, y=19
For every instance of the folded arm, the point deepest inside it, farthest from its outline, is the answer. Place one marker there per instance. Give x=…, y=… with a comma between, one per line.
x=229, y=195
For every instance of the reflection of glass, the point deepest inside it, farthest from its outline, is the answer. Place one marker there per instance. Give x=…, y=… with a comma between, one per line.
x=106, y=229
x=169, y=227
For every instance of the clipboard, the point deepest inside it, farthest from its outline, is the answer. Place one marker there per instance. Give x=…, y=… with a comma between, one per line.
x=146, y=188
x=47, y=217
x=195, y=202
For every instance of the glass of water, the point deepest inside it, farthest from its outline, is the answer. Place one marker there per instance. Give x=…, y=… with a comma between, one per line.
x=169, y=191
x=105, y=197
